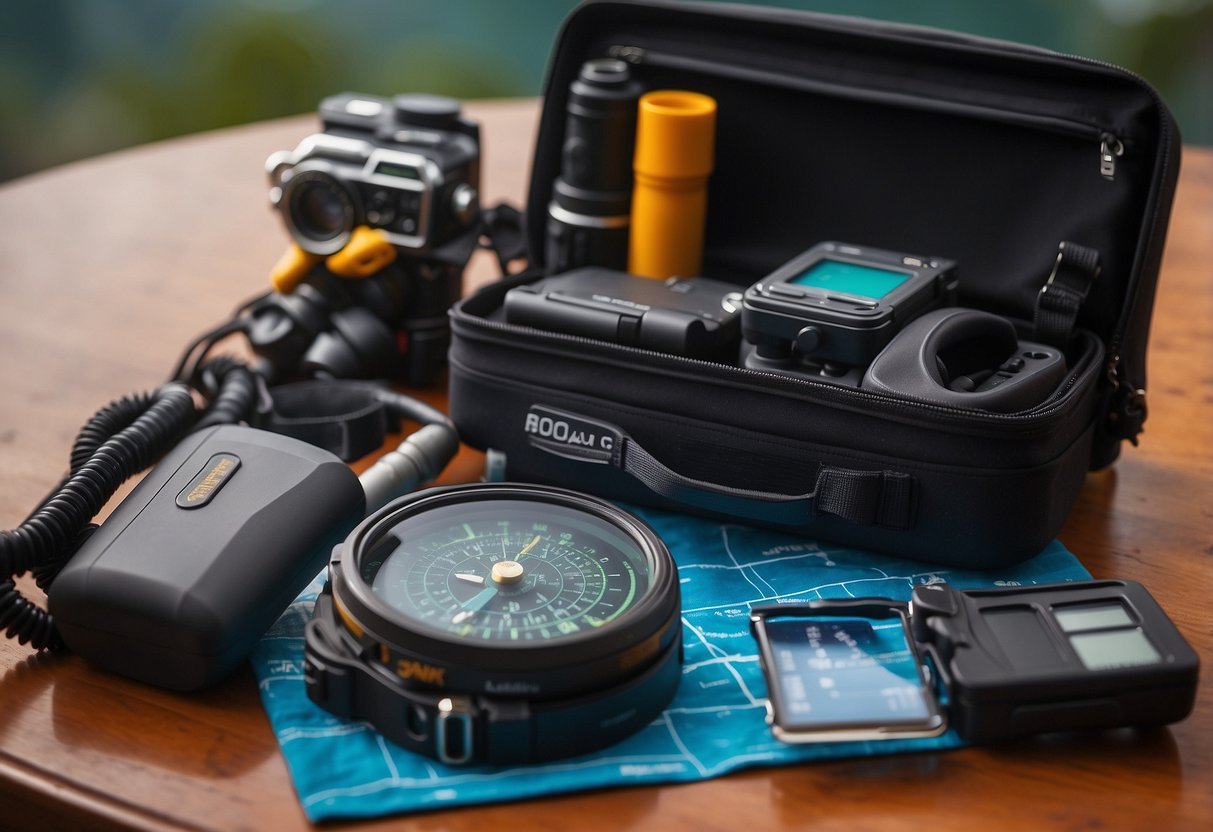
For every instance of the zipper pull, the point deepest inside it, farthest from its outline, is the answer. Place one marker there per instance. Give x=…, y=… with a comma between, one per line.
x=1127, y=408
x=1110, y=149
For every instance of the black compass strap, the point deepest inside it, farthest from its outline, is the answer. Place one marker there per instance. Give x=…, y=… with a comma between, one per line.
x=460, y=729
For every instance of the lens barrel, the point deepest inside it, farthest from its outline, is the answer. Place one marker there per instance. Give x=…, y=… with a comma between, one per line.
x=319, y=212
x=589, y=213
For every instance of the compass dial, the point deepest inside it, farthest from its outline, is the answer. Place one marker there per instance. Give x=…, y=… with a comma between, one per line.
x=505, y=570
x=506, y=587
x=451, y=610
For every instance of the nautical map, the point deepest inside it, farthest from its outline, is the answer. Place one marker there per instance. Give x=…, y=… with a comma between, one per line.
x=715, y=724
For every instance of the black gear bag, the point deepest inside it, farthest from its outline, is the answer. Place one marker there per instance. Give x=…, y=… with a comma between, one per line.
x=1047, y=178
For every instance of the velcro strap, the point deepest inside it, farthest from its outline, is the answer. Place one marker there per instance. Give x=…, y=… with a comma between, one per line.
x=346, y=419
x=867, y=498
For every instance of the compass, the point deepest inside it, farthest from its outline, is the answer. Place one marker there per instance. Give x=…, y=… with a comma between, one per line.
x=498, y=623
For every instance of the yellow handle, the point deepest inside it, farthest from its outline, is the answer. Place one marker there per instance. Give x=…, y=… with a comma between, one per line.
x=292, y=267
x=367, y=252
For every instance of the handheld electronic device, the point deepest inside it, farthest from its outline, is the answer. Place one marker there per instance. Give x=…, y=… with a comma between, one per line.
x=837, y=305
x=383, y=210
x=192, y=568
x=694, y=317
x=498, y=623
x=993, y=664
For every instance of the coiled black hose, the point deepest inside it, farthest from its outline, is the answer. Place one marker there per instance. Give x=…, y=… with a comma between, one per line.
x=122, y=439
x=105, y=423
x=234, y=389
x=26, y=622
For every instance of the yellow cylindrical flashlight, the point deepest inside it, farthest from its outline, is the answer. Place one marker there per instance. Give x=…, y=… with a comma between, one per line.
x=675, y=152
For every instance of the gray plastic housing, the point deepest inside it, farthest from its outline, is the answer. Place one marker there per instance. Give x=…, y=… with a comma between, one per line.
x=201, y=558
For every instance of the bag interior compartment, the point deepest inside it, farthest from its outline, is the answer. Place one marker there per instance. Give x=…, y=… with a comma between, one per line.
x=930, y=147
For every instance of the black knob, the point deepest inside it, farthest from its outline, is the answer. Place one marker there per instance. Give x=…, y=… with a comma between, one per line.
x=422, y=110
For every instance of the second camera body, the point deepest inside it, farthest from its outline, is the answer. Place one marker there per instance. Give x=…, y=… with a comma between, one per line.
x=409, y=166
x=406, y=169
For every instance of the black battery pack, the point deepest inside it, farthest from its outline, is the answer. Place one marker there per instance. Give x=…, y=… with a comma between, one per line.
x=205, y=553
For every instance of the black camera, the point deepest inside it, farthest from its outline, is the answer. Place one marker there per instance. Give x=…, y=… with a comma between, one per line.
x=406, y=172
x=409, y=166
x=693, y=317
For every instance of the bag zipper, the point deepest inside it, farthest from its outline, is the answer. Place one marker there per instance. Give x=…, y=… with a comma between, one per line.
x=1127, y=409
x=1110, y=146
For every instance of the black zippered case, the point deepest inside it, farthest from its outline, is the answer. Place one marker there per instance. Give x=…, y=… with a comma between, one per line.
x=900, y=137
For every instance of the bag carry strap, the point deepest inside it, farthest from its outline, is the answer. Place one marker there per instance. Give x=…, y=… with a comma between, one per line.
x=866, y=498
x=1057, y=305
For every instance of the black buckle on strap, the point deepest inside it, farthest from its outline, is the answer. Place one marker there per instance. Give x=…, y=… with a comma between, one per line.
x=1074, y=272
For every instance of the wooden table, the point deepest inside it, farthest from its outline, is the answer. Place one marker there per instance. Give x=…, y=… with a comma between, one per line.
x=109, y=266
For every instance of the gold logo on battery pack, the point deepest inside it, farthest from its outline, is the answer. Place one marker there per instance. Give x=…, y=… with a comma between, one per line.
x=213, y=476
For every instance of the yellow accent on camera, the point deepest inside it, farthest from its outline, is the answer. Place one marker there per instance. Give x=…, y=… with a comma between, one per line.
x=292, y=267
x=367, y=252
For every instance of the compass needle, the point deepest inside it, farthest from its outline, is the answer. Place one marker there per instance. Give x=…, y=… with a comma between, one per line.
x=478, y=601
x=528, y=547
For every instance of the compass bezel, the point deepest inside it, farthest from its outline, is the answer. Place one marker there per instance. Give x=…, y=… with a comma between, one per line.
x=416, y=655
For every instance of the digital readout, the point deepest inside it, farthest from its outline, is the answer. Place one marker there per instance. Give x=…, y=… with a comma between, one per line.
x=850, y=279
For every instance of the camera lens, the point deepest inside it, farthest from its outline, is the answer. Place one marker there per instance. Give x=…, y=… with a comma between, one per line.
x=588, y=216
x=320, y=211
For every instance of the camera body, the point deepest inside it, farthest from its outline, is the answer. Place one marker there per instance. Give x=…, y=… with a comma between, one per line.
x=692, y=317
x=408, y=166
x=408, y=170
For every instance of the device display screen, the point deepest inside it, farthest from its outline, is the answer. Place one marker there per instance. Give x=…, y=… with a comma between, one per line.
x=1104, y=636
x=398, y=170
x=835, y=671
x=1082, y=617
x=850, y=279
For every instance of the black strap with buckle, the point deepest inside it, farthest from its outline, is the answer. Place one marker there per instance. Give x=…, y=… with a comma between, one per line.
x=1074, y=271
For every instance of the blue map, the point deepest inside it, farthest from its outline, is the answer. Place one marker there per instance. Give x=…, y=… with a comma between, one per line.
x=715, y=724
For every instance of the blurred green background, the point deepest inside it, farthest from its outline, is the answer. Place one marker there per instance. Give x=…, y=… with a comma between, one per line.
x=82, y=77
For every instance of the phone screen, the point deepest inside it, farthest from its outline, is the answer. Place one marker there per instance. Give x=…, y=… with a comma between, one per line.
x=844, y=674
